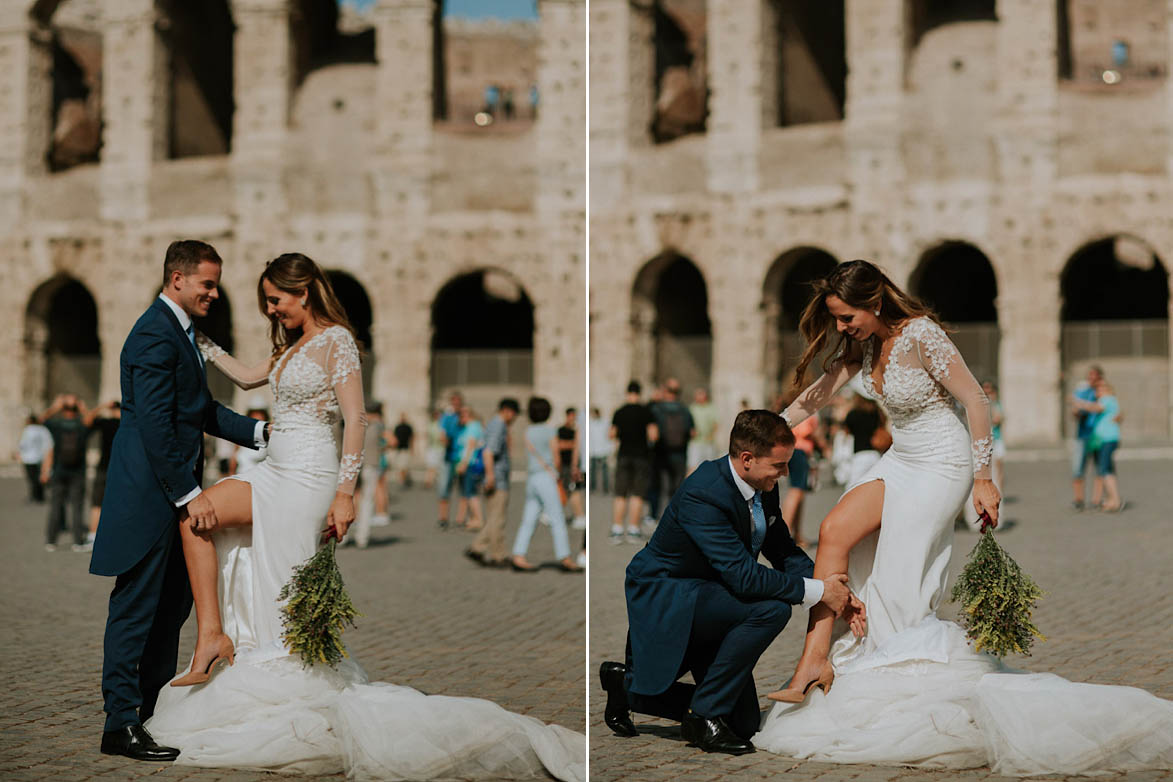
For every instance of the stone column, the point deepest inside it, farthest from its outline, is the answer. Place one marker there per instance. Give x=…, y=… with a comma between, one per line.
x=403, y=123
x=1028, y=95
x=1029, y=361
x=559, y=316
x=26, y=106
x=875, y=96
x=134, y=109
x=262, y=89
x=622, y=81
x=735, y=59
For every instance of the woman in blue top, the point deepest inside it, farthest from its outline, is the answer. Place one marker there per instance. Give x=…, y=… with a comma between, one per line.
x=541, y=490
x=470, y=467
x=1104, y=440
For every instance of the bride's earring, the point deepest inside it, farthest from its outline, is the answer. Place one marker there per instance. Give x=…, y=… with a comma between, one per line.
x=877, y=313
x=303, y=304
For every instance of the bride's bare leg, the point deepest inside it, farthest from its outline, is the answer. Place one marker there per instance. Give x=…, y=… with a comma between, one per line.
x=233, y=503
x=856, y=516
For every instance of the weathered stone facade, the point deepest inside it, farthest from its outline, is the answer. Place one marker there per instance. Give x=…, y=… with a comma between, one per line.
x=964, y=132
x=345, y=165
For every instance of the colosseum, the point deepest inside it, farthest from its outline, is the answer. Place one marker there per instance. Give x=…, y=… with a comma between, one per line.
x=1009, y=161
x=266, y=126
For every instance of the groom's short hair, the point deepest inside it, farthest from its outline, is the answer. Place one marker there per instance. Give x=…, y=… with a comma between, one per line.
x=758, y=431
x=185, y=255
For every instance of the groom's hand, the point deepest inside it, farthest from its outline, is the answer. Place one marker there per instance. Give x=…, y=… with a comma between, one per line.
x=201, y=514
x=836, y=593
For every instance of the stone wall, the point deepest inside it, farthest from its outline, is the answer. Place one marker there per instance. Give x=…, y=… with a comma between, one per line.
x=346, y=167
x=968, y=136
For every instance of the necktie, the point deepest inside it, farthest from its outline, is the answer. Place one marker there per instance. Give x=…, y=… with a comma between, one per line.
x=191, y=339
x=758, y=514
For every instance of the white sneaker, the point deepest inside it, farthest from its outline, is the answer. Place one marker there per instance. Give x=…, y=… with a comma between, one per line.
x=50, y=547
x=580, y=560
x=87, y=546
x=616, y=536
x=380, y=520
x=634, y=536
x=579, y=522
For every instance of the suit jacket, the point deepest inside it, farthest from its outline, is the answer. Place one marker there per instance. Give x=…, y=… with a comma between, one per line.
x=158, y=453
x=704, y=535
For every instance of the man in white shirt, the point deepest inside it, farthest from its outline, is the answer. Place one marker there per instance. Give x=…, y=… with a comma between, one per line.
x=35, y=444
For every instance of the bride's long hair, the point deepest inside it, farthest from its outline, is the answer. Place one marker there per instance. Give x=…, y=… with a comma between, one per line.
x=296, y=273
x=859, y=284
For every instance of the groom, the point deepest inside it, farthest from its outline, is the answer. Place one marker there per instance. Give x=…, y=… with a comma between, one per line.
x=153, y=485
x=698, y=600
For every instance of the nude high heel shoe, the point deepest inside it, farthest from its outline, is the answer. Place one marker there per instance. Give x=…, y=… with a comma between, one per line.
x=794, y=695
x=226, y=653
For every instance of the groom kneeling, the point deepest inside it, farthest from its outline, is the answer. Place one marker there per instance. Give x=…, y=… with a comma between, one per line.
x=699, y=601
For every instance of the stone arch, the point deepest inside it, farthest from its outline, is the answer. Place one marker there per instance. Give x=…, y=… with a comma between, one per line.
x=957, y=280
x=482, y=338
x=322, y=36
x=804, y=75
x=485, y=69
x=681, y=91
x=1115, y=313
x=62, y=352
x=672, y=335
x=924, y=15
x=198, y=41
x=357, y=305
x=785, y=293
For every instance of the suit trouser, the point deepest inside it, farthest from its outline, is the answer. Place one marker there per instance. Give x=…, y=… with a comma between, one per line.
x=728, y=636
x=148, y=606
x=67, y=489
x=491, y=540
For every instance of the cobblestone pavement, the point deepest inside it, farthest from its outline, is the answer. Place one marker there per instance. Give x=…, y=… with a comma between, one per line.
x=1106, y=613
x=431, y=619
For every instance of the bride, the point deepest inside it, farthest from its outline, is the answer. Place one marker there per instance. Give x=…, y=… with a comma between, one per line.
x=265, y=710
x=908, y=687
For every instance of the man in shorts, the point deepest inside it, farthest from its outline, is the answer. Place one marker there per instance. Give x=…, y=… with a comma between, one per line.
x=634, y=427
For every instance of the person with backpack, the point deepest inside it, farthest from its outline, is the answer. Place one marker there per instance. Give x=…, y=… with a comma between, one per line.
x=670, y=456
x=64, y=469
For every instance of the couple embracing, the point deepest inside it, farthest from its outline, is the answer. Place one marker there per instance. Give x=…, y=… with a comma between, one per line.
x=909, y=688
x=230, y=548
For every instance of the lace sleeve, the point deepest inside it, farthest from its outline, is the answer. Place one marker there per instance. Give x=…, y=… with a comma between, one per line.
x=345, y=373
x=944, y=363
x=819, y=393
x=237, y=371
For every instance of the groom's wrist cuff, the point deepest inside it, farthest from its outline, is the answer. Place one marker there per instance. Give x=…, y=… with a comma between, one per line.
x=814, y=592
x=191, y=495
x=259, y=434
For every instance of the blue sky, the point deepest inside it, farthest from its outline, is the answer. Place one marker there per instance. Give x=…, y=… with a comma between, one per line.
x=475, y=9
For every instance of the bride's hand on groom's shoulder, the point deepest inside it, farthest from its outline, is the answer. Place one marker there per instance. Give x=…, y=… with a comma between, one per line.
x=341, y=514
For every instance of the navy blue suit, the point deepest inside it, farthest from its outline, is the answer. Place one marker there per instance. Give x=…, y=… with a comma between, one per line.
x=699, y=601
x=157, y=459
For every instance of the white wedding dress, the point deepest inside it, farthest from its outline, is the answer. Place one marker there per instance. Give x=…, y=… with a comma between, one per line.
x=269, y=712
x=914, y=691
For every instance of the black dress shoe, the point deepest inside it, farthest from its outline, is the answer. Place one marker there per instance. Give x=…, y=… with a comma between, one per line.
x=712, y=735
x=134, y=742
x=617, y=715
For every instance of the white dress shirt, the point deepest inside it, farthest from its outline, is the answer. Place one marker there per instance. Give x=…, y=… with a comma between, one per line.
x=814, y=587
x=258, y=434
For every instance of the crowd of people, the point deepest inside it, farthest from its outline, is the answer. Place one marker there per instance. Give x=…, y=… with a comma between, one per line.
x=53, y=448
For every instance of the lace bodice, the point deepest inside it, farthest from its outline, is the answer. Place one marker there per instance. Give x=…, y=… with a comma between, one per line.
x=315, y=384
x=923, y=374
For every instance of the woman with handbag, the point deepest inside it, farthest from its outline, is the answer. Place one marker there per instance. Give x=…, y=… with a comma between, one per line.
x=543, y=491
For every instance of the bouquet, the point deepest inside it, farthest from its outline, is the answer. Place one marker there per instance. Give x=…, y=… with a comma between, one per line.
x=998, y=598
x=318, y=609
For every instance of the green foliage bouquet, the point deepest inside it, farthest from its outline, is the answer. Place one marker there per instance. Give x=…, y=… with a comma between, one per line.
x=998, y=599
x=318, y=609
